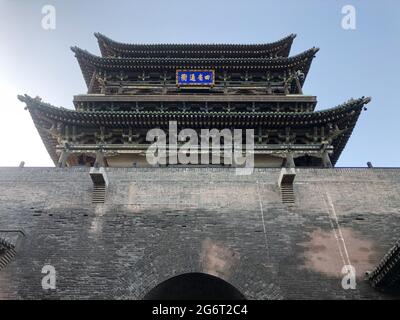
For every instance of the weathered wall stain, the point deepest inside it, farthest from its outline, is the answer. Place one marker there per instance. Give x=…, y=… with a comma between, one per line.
x=323, y=255
x=217, y=259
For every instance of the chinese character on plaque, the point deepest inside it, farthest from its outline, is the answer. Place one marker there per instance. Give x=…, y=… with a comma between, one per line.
x=195, y=77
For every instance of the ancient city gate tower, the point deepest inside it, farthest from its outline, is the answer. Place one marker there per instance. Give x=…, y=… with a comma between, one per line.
x=114, y=225
x=133, y=88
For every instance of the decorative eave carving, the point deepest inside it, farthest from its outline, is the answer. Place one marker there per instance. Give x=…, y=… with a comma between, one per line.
x=299, y=64
x=345, y=115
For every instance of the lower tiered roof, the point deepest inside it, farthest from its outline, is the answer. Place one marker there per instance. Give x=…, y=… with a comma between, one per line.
x=342, y=117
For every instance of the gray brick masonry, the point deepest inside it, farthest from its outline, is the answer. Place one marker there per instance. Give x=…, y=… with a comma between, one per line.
x=162, y=222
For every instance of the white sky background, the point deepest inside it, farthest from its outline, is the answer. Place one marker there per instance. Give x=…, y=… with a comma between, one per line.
x=18, y=135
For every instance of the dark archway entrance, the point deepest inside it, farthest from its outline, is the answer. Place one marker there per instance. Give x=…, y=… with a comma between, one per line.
x=194, y=286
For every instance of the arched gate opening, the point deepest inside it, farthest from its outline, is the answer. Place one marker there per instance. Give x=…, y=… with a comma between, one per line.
x=194, y=286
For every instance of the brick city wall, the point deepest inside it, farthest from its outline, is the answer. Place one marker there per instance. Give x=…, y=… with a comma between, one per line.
x=162, y=222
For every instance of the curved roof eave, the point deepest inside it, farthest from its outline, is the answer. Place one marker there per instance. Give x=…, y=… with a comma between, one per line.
x=348, y=106
x=109, y=46
x=349, y=111
x=89, y=62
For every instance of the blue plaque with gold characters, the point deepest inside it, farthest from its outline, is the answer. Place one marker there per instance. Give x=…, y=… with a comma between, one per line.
x=195, y=77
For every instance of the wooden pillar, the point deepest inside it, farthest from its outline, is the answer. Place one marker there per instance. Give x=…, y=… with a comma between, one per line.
x=99, y=159
x=62, y=161
x=298, y=84
x=286, y=88
x=290, y=160
x=326, y=161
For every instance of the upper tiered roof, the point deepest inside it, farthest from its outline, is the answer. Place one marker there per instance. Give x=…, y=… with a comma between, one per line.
x=90, y=63
x=111, y=48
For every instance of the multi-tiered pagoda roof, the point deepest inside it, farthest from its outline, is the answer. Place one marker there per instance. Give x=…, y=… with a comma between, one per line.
x=133, y=88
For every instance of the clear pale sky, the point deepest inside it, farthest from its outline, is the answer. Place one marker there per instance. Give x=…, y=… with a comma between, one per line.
x=350, y=63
